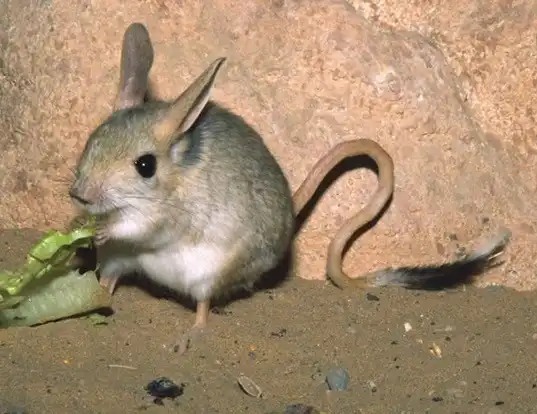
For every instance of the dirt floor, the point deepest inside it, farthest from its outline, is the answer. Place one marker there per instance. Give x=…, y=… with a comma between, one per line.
x=285, y=340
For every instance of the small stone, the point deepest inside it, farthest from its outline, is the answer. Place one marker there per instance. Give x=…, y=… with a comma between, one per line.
x=300, y=409
x=280, y=333
x=338, y=379
x=371, y=297
x=318, y=377
x=372, y=386
x=249, y=386
x=455, y=392
x=15, y=410
x=435, y=350
x=220, y=311
x=163, y=387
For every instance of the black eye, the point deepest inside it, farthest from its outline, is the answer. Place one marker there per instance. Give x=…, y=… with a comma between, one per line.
x=146, y=165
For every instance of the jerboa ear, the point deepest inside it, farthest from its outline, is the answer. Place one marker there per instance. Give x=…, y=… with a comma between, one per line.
x=184, y=111
x=136, y=62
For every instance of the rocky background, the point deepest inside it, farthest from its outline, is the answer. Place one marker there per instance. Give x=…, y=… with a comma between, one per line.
x=448, y=88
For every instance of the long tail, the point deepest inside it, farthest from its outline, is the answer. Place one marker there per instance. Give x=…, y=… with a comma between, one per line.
x=371, y=210
x=441, y=276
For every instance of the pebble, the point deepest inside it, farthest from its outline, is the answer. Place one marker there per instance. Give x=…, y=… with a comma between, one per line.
x=249, y=386
x=338, y=379
x=301, y=409
x=318, y=377
x=163, y=387
x=372, y=297
x=455, y=392
x=15, y=410
x=298, y=409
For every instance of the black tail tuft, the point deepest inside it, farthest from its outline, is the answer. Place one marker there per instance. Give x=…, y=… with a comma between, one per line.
x=439, y=277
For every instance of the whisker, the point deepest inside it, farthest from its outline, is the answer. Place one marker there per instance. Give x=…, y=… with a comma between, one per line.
x=167, y=203
x=170, y=203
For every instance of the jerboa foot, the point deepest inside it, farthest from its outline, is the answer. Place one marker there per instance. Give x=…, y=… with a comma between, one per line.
x=438, y=277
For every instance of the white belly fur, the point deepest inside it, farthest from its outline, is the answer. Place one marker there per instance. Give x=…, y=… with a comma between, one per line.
x=188, y=269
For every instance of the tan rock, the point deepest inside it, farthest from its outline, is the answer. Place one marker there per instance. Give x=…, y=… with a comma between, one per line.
x=446, y=88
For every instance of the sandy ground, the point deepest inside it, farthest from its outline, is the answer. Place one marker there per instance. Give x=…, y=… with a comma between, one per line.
x=285, y=340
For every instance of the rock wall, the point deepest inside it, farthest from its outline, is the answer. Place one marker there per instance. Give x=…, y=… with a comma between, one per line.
x=446, y=88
